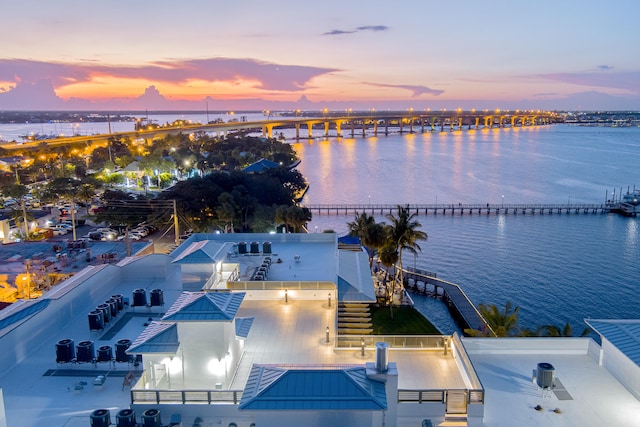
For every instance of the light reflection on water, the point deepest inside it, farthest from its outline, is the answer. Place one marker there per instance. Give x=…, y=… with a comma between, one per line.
x=557, y=268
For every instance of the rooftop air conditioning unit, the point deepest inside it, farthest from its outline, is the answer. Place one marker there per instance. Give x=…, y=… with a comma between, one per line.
x=151, y=418
x=126, y=418
x=100, y=418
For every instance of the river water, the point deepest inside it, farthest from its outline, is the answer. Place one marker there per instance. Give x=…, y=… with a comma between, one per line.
x=558, y=268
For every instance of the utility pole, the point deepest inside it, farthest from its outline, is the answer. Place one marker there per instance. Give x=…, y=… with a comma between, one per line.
x=73, y=217
x=24, y=219
x=175, y=221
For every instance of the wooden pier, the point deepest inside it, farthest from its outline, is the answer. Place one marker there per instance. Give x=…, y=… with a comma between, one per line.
x=463, y=208
x=461, y=308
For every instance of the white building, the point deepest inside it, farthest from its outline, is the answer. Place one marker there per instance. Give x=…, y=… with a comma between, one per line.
x=231, y=342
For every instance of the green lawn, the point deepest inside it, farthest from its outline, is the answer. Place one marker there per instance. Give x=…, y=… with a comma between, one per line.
x=406, y=321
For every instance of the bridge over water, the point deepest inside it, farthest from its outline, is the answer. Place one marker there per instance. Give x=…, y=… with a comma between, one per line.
x=331, y=125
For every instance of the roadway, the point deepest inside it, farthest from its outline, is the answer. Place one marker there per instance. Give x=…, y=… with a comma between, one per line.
x=425, y=122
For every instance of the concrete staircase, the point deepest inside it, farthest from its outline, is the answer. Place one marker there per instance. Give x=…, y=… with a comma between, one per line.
x=354, y=319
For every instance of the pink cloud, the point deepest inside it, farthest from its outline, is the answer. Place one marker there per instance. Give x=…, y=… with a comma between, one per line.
x=269, y=76
x=415, y=90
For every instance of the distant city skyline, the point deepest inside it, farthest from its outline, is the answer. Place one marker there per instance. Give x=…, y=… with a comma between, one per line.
x=284, y=55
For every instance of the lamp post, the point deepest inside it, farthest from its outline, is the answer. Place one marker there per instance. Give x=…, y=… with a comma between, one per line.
x=503, y=200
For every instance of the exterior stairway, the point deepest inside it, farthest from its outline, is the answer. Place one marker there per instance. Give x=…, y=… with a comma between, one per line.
x=354, y=319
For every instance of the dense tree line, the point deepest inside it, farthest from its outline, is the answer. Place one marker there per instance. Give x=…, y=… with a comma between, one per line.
x=236, y=201
x=220, y=195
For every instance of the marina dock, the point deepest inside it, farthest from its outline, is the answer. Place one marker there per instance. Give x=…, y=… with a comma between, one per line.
x=461, y=308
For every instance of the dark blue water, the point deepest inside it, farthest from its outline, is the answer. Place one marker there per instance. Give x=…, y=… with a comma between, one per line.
x=558, y=268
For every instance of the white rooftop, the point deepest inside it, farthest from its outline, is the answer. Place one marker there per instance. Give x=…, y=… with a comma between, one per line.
x=586, y=394
x=37, y=391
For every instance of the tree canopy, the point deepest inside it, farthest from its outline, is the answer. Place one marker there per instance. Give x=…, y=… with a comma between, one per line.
x=225, y=199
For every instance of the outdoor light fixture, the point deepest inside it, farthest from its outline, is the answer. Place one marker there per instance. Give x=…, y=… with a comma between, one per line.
x=327, y=334
x=329, y=299
x=286, y=295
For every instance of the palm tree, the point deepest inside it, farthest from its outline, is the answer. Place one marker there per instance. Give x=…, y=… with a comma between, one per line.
x=404, y=234
x=18, y=191
x=555, y=331
x=389, y=258
x=86, y=193
x=21, y=217
x=371, y=234
x=503, y=323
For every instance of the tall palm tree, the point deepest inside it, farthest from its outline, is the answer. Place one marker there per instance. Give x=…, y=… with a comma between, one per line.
x=371, y=234
x=86, y=193
x=389, y=258
x=22, y=217
x=404, y=234
x=18, y=191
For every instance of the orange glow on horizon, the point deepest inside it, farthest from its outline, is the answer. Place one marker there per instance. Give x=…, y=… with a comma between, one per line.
x=103, y=87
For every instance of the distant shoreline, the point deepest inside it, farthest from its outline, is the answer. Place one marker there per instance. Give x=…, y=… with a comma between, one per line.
x=22, y=117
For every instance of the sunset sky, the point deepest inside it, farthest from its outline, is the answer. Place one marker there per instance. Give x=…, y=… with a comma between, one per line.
x=282, y=54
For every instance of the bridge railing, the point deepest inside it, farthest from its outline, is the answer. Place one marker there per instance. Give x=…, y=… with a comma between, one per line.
x=426, y=208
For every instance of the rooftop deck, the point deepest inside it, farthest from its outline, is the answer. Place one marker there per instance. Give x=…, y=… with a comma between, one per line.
x=295, y=333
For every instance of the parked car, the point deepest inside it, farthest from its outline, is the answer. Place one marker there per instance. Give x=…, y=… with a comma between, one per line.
x=108, y=233
x=95, y=235
x=140, y=230
x=59, y=231
x=66, y=211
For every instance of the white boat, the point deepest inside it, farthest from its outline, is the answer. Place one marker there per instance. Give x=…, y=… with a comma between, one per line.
x=632, y=198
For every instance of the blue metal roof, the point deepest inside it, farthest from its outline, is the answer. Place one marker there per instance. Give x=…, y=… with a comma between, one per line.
x=158, y=337
x=205, y=306
x=623, y=334
x=260, y=166
x=272, y=387
x=243, y=326
x=203, y=252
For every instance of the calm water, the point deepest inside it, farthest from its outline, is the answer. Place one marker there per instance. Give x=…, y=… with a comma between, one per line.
x=558, y=268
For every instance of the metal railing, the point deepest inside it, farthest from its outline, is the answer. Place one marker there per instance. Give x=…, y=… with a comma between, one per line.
x=438, y=396
x=280, y=285
x=186, y=396
x=425, y=342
